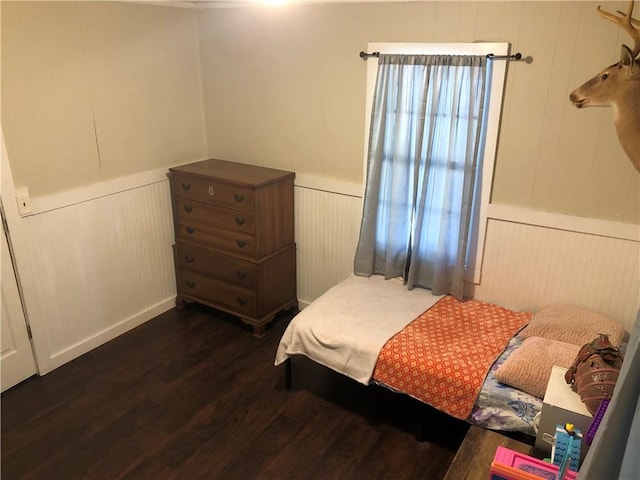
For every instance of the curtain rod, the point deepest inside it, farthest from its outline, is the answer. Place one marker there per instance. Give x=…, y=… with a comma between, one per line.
x=490, y=56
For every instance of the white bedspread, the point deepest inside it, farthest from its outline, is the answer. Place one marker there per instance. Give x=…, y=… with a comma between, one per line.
x=346, y=328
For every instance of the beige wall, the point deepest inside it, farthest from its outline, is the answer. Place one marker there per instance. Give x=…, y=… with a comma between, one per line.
x=285, y=87
x=96, y=90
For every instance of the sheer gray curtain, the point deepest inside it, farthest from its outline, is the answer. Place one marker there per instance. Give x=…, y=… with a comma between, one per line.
x=424, y=146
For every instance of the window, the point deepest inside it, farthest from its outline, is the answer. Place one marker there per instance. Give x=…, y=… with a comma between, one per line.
x=451, y=132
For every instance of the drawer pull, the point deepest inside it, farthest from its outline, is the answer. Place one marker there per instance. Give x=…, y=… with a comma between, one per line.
x=190, y=284
x=241, y=301
x=186, y=186
x=189, y=258
x=241, y=275
x=188, y=208
x=211, y=191
x=241, y=243
x=238, y=197
x=239, y=221
x=190, y=230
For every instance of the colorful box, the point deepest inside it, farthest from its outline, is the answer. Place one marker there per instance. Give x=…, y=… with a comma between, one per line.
x=510, y=465
x=561, y=448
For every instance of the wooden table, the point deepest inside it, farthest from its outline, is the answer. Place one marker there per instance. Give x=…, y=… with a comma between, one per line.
x=476, y=453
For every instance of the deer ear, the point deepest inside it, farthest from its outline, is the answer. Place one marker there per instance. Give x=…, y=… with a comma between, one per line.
x=626, y=58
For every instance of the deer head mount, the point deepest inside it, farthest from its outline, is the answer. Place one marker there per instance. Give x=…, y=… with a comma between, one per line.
x=618, y=86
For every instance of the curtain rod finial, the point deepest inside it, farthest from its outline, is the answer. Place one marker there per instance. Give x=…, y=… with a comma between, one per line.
x=515, y=56
x=365, y=55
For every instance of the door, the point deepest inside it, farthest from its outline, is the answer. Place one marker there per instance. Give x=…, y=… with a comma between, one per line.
x=16, y=356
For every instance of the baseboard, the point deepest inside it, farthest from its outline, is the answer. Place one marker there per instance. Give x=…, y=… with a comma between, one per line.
x=302, y=304
x=100, y=338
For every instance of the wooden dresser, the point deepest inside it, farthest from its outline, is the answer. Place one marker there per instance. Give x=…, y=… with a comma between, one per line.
x=234, y=231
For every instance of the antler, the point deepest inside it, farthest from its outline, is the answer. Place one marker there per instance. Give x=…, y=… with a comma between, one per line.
x=625, y=21
x=633, y=20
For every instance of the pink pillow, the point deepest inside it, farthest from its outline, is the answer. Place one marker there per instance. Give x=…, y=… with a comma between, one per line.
x=570, y=324
x=528, y=367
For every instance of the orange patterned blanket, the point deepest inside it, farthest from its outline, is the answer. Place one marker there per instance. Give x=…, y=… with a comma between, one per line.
x=443, y=357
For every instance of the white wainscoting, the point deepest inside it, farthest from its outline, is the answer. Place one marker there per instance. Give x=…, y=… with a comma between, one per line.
x=97, y=267
x=327, y=219
x=531, y=259
x=529, y=266
x=99, y=262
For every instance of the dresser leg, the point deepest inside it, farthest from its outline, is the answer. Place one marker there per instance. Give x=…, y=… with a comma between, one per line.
x=180, y=303
x=259, y=330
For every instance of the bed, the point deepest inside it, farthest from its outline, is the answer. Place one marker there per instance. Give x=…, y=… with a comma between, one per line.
x=470, y=360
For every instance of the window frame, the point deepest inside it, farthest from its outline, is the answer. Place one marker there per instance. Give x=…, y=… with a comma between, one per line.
x=495, y=91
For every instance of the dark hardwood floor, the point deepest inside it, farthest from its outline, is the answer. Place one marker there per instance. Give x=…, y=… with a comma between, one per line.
x=192, y=395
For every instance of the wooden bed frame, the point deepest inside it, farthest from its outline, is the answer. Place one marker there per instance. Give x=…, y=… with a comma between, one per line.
x=319, y=333
x=423, y=409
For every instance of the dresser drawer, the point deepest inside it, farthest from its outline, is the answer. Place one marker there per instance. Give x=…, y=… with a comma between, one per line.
x=219, y=293
x=229, y=269
x=216, y=238
x=213, y=191
x=228, y=218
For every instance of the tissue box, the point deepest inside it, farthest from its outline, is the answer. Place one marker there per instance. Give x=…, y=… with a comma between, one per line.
x=510, y=465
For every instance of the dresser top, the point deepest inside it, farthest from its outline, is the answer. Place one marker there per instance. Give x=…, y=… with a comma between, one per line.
x=233, y=172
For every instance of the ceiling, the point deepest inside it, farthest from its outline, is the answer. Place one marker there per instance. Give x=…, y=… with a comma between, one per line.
x=198, y=4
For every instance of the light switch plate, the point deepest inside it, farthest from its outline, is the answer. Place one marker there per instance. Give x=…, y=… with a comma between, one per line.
x=23, y=200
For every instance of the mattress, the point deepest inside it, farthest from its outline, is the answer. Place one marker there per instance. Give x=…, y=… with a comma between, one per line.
x=335, y=330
